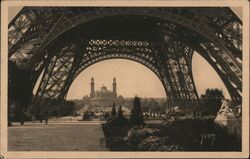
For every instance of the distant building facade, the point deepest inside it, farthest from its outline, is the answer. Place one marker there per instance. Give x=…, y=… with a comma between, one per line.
x=103, y=93
x=103, y=97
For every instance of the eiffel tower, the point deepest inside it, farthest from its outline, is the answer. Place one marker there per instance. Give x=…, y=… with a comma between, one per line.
x=58, y=43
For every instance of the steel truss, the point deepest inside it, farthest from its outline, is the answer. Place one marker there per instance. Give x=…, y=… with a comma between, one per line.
x=37, y=39
x=66, y=66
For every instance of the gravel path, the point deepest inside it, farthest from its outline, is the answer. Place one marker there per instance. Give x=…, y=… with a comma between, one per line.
x=56, y=137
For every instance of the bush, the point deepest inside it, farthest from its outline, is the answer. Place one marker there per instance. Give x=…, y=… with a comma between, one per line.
x=185, y=135
x=115, y=127
x=200, y=135
x=86, y=115
x=137, y=134
x=156, y=143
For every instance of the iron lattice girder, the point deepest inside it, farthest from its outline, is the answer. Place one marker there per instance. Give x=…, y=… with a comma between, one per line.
x=89, y=61
x=144, y=53
x=33, y=29
x=73, y=18
x=226, y=26
x=55, y=74
x=99, y=50
x=221, y=62
x=30, y=26
x=178, y=61
x=228, y=76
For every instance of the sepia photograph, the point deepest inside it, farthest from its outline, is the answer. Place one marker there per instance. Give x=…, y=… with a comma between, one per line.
x=104, y=80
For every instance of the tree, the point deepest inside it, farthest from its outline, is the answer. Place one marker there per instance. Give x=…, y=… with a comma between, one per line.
x=43, y=109
x=106, y=115
x=154, y=105
x=20, y=87
x=86, y=115
x=52, y=107
x=120, y=111
x=68, y=108
x=136, y=117
x=151, y=104
x=211, y=101
x=113, y=112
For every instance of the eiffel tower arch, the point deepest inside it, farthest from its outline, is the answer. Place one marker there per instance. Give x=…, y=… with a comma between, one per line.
x=60, y=42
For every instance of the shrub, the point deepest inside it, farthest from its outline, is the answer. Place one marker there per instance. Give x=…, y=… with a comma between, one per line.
x=156, y=143
x=137, y=134
x=200, y=135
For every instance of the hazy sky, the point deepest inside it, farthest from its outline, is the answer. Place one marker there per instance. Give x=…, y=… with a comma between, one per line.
x=138, y=80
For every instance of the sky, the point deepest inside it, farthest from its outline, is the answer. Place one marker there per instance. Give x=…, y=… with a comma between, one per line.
x=135, y=79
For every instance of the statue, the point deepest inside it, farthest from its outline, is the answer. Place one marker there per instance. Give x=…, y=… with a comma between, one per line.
x=225, y=114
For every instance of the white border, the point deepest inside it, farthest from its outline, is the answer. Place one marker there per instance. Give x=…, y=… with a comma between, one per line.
x=98, y=154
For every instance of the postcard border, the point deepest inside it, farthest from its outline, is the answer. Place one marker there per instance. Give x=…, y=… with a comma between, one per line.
x=99, y=154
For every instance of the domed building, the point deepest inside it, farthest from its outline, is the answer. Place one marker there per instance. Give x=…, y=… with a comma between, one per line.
x=104, y=97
